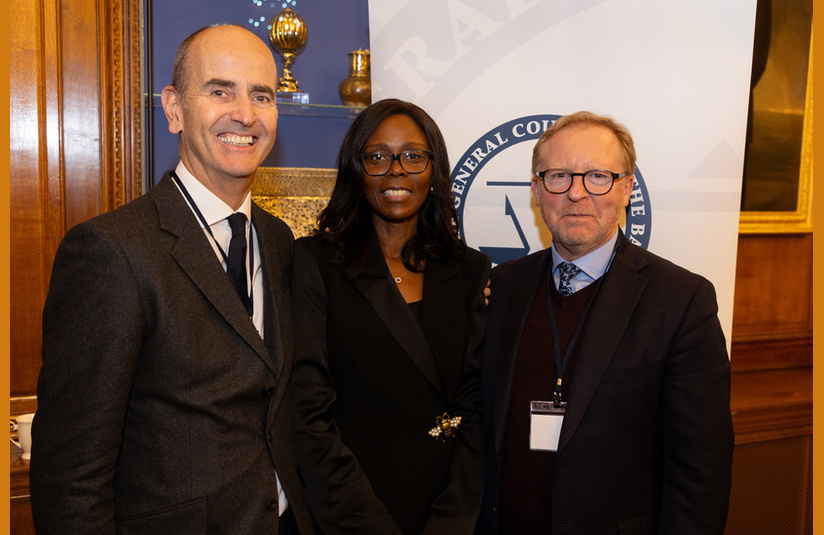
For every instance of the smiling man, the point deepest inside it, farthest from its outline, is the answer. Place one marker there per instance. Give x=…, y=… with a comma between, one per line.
x=606, y=380
x=168, y=335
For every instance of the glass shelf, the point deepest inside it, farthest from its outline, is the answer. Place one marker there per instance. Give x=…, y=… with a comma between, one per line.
x=305, y=110
x=318, y=110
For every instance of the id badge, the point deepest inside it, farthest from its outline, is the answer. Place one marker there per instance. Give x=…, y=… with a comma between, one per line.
x=545, y=425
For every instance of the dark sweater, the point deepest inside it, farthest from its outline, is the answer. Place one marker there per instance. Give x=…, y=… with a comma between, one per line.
x=526, y=486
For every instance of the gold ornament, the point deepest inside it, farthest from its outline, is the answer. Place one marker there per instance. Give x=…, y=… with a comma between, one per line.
x=288, y=35
x=356, y=89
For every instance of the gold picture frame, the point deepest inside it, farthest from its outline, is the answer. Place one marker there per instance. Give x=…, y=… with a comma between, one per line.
x=799, y=221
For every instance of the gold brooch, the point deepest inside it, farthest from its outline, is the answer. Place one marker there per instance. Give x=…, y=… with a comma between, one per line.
x=445, y=427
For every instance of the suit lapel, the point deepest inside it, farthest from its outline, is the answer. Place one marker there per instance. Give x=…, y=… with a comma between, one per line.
x=377, y=286
x=444, y=295
x=196, y=258
x=518, y=306
x=611, y=312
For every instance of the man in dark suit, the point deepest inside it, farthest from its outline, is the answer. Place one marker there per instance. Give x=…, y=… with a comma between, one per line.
x=168, y=335
x=605, y=371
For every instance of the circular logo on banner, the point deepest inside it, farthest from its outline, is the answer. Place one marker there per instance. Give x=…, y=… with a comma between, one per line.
x=491, y=191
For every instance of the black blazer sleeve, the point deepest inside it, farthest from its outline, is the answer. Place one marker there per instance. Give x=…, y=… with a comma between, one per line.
x=338, y=491
x=698, y=433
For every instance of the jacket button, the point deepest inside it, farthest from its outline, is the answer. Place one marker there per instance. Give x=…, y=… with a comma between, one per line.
x=272, y=505
x=268, y=392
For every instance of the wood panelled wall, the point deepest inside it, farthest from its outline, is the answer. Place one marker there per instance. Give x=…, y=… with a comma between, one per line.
x=75, y=108
x=772, y=385
x=772, y=338
x=75, y=142
x=772, y=314
x=75, y=153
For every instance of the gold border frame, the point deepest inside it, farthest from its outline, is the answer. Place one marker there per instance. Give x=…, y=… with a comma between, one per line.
x=119, y=48
x=801, y=220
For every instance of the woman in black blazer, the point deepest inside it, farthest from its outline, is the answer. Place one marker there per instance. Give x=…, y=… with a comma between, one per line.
x=389, y=314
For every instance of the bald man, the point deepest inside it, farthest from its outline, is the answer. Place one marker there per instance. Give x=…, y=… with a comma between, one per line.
x=168, y=335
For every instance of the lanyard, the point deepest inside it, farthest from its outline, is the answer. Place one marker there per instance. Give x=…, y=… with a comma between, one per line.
x=248, y=300
x=561, y=363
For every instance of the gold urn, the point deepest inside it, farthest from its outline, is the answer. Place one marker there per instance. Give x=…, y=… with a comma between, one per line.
x=356, y=89
x=288, y=35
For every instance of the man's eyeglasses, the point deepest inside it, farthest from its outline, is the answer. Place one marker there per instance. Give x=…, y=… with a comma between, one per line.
x=412, y=161
x=596, y=181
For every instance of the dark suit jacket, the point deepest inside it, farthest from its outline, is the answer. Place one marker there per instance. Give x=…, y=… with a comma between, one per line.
x=370, y=381
x=646, y=442
x=161, y=410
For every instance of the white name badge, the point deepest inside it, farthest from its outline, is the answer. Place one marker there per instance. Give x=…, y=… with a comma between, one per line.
x=545, y=425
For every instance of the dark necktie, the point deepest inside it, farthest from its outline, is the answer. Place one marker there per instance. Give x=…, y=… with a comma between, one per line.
x=567, y=271
x=236, y=267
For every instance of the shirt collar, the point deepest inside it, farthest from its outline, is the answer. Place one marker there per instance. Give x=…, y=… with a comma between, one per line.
x=594, y=264
x=210, y=205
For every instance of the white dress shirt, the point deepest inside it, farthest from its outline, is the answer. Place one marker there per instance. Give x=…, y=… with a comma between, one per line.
x=593, y=265
x=215, y=212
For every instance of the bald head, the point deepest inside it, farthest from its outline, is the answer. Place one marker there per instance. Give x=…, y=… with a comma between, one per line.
x=211, y=37
x=223, y=107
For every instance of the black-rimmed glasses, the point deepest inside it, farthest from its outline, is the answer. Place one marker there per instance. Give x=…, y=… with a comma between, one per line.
x=379, y=162
x=596, y=181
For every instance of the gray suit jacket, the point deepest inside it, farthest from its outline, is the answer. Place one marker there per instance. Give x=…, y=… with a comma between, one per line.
x=160, y=407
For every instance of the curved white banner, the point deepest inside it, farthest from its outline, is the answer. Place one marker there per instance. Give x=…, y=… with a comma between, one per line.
x=495, y=73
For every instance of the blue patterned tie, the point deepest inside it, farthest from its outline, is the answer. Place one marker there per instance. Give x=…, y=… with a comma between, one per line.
x=567, y=271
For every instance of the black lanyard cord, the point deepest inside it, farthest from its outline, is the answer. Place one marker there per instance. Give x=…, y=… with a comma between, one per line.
x=561, y=363
x=248, y=300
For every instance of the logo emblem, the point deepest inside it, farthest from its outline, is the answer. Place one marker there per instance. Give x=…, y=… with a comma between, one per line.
x=491, y=191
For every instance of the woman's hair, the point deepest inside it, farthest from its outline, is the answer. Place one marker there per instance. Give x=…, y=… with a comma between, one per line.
x=346, y=222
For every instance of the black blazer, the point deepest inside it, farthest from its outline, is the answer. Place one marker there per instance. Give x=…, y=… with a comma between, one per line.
x=646, y=442
x=161, y=409
x=370, y=381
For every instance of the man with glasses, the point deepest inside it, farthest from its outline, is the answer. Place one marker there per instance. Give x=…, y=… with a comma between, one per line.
x=605, y=371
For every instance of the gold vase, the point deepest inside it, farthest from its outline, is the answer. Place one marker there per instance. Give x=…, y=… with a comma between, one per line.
x=288, y=35
x=356, y=89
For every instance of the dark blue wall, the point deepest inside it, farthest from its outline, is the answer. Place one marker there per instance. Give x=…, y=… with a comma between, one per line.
x=334, y=29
